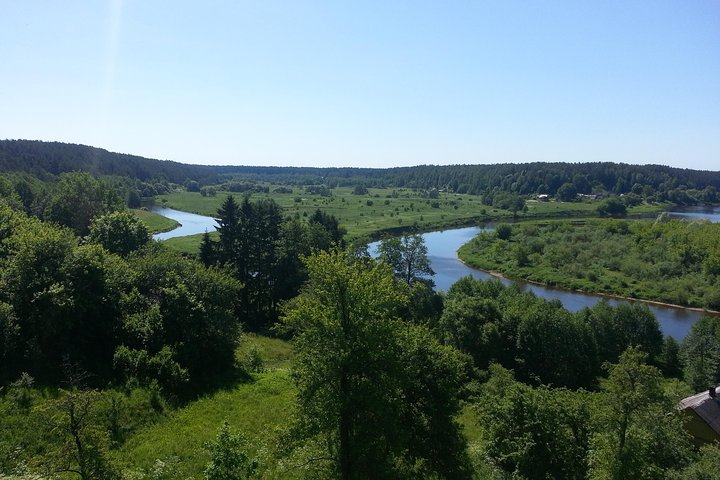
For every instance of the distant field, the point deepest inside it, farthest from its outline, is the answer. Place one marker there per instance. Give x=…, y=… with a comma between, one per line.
x=154, y=222
x=361, y=215
x=381, y=210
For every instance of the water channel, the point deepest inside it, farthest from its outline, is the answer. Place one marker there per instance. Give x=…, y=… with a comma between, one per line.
x=442, y=251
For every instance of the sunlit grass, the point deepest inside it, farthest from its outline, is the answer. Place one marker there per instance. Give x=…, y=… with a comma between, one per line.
x=155, y=223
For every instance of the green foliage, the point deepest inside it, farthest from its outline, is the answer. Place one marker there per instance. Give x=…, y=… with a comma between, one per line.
x=641, y=434
x=612, y=207
x=535, y=433
x=78, y=198
x=76, y=443
x=408, y=257
x=253, y=360
x=671, y=261
x=119, y=232
x=65, y=299
x=132, y=199
x=264, y=252
x=631, y=429
x=567, y=192
x=228, y=460
x=622, y=326
x=706, y=467
x=700, y=354
x=372, y=390
x=503, y=231
x=208, y=191
x=155, y=316
x=360, y=190
x=669, y=358
x=543, y=342
x=180, y=322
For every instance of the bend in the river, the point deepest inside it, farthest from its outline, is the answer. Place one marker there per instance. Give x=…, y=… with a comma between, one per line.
x=442, y=251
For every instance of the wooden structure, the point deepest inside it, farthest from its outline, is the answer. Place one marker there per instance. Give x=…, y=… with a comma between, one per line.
x=703, y=412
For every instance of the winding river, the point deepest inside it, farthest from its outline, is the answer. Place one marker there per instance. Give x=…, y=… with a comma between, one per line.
x=442, y=250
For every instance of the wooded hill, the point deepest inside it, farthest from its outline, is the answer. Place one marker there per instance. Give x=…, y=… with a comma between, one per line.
x=44, y=159
x=652, y=182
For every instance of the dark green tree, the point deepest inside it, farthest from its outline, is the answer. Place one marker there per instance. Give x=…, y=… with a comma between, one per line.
x=566, y=192
x=331, y=225
x=78, y=198
x=700, y=354
x=534, y=433
x=408, y=257
x=376, y=396
x=612, y=207
x=208, y=250
x=119, y=232
x=640, y=432
x=228, y=459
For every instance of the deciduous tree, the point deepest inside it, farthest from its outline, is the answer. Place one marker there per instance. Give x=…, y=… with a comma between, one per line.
x=376, y=396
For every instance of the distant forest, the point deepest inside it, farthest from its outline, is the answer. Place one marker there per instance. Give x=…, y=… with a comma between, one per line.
x=650, y=182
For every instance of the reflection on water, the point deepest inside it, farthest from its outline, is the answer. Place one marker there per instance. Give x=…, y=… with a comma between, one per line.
x=190, y=223
x=697, y=213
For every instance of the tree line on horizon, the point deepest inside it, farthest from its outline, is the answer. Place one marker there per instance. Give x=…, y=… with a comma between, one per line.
x=46, y=160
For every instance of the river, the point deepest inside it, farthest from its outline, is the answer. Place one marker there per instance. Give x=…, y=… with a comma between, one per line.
x=442, y=251
x=190, y=223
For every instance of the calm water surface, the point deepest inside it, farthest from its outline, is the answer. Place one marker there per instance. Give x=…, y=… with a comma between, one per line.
x=706, y=213
x=190, y=223
x=442, y=250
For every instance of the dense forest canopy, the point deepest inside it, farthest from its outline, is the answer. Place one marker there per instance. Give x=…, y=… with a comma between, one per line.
x=106, y=334
x=45, y=159
x=656, y=182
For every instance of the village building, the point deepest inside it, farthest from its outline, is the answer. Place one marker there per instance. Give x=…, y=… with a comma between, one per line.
x=703, y=412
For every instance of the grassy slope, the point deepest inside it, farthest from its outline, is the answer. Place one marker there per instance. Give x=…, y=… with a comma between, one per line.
x=154, y=222
x=256, y=408
x=407, y=210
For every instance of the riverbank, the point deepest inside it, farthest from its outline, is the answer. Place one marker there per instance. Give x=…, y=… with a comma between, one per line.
x=608, y=296
x=154, y=222
x=389, y=212
x=670, y=264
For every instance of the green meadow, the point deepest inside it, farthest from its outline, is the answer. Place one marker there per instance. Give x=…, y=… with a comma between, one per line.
x=382, y=210
x=259, y=408
x=155, y=223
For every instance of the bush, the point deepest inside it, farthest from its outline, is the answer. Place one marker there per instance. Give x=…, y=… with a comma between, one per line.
x=503, y=231
x=208, y=191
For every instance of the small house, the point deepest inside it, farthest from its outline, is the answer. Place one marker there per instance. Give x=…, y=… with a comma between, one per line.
x=703, y=412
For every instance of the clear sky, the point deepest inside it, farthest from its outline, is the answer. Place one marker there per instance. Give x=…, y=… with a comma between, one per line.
x=367, y=83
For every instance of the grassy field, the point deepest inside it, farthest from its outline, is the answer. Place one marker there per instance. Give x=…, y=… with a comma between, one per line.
x=381, y=210
x=258, y=409
x=189, y=244
x=155, y=223
x=255, y=408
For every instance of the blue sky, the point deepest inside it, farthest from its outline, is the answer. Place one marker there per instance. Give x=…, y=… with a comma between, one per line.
x=365, y=83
